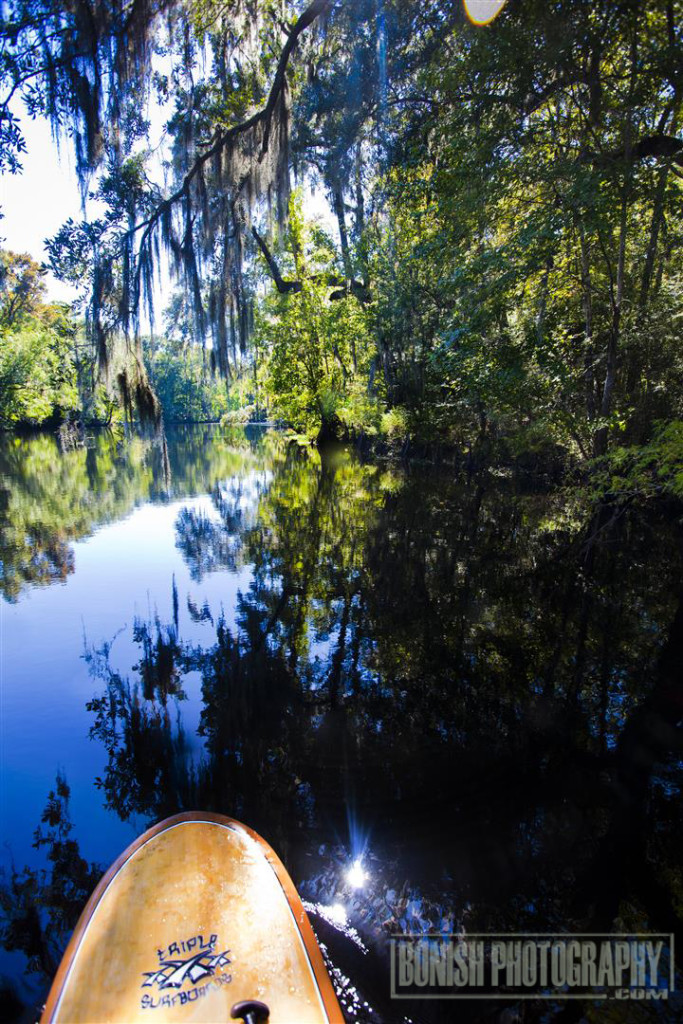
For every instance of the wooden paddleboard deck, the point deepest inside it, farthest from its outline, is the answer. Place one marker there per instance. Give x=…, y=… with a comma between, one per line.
x=195, y=916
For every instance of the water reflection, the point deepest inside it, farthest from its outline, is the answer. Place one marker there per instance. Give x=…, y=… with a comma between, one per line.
x=51, y=496
x=40, y=908
x=446, y=708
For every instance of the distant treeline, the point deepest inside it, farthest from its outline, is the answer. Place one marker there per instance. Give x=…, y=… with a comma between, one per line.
x=49, y=373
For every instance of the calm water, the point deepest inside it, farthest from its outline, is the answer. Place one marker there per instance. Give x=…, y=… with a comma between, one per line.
x=462, y=681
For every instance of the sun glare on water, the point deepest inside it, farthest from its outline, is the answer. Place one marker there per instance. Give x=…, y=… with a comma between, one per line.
x=337, y=913
x=481, y=12
x=356, y=876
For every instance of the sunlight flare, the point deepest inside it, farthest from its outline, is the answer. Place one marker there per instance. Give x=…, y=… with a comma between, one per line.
x=483, y=12
x=356, y=875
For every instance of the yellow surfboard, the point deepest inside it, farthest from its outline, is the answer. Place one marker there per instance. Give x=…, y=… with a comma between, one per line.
x=197, y=920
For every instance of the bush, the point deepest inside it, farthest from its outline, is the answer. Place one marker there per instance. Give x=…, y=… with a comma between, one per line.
x=37, y=375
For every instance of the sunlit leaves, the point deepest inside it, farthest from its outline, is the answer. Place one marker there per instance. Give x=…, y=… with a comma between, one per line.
x=318, y=350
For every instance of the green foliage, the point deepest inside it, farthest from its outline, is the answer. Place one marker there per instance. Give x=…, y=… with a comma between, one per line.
x=47, y=364
x=507, y=250
x=394, y=424
x=37, y=374
x=643, y=471
x=319, y=350
x=186, y=388
x=524, y=283
x=21, y=288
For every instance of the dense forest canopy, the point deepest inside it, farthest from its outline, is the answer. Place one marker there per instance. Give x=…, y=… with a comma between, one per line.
x=506, y=202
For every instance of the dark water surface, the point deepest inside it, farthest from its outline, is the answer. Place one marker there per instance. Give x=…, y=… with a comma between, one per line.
x=461, y=682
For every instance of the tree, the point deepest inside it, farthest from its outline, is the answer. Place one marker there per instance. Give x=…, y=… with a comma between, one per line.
x=232, y=146
x=506, y=198
x=318, y=343
x=22, y=287
x=46, y=364
x=535, y=187
x=184, y=384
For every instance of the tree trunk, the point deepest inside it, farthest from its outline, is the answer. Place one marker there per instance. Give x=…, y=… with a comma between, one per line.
x=589, y=351
x=657, y=216
x=360, y=201
x=617, y=297
x=543, y=302
x=338, y=204
x=601, y=435
x=655, y=228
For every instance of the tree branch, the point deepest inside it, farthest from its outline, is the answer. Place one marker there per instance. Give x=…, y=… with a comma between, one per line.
x=313, y=11
x=667, y=147
x=284, y=287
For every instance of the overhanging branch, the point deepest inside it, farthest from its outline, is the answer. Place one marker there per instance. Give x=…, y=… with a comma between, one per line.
x=225, y=138
x=355, y=288
x=284, y=287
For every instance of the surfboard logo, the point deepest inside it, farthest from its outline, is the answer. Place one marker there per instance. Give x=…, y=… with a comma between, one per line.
x=174, y=970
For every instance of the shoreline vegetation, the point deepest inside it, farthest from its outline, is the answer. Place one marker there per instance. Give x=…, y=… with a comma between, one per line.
x=498, y=274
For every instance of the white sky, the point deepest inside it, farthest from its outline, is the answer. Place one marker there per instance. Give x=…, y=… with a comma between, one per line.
x=36, y=202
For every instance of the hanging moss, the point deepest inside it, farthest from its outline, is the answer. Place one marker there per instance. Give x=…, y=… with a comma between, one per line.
x=202, y=226
x=137, y=395
x=94, y=65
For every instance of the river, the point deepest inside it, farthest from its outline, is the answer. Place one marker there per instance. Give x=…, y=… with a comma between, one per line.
x=459, y=682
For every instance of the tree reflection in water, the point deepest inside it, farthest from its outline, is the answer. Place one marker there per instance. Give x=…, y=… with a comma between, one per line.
x=40, y=907
x=50, y=497
x=443, y=675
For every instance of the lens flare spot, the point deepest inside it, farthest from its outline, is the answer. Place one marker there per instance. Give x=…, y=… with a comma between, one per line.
x=482, y=12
